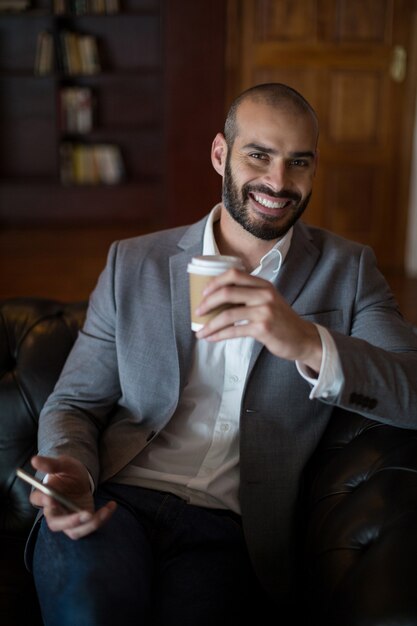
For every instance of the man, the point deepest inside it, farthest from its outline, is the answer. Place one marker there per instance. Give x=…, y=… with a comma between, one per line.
x=185, y=451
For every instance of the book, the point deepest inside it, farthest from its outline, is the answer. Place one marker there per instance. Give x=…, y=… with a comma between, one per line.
x=77, y=53
x=110, y=163
x=59, y=7
x=13, y=5
x=44, y=57
x=71, y=43
x=82, y=7
x=90, y=164
x=90, y=62
x=76, y=109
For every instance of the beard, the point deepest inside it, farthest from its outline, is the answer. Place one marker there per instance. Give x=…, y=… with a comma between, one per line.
x=264, y=227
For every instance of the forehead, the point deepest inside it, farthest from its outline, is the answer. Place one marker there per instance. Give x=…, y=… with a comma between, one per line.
x=275, y=126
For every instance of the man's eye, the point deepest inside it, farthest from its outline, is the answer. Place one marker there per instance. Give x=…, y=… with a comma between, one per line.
x=299, y=163
x=258, y=155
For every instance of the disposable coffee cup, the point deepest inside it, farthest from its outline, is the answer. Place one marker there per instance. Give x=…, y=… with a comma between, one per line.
x=201, y=270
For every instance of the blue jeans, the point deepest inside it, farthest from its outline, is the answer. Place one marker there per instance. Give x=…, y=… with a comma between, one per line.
x=159, y=561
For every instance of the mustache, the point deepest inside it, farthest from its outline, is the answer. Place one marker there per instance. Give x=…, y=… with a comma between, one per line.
x=283, y=194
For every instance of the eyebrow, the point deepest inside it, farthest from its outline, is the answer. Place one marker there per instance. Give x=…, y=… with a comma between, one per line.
x=295, y=155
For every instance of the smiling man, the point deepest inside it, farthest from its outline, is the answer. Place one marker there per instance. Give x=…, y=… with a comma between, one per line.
x=266, y=152
x=185, y=451
x=267, y=158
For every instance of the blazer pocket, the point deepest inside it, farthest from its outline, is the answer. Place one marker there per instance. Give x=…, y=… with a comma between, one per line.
x=329, y=319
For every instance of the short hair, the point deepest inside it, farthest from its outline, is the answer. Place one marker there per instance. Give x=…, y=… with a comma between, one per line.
x=272, y=94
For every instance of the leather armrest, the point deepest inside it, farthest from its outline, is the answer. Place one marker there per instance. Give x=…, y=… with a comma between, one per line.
x=362, y=524
x=35, y=338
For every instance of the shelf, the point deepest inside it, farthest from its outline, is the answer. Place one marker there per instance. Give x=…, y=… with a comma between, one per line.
x=126, y=93
x=36, y=13
x=25, y=14
x=152, y=55
x=22, y=205
x=24, y=75
x=92, y=16
x=107, y=75
x=10, y=183
x=43, y=7
x=112, y=133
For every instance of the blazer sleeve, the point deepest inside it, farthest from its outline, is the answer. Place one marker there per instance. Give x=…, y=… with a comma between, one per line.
x=379, y=355
x=88, y=388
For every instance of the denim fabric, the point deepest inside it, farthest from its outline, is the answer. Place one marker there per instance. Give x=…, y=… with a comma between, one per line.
x=159, y=561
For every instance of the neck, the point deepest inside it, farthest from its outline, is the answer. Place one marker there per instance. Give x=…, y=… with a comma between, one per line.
x=232, y=239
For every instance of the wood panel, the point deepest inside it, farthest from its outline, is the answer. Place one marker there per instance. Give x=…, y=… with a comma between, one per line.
x=338, y=54
x=347, y=121
x=195, y=101
x=61, y=263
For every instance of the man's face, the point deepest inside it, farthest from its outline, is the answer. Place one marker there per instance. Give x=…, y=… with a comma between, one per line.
x=269, y=170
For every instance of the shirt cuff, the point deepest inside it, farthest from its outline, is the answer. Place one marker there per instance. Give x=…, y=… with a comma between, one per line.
x=330, y=378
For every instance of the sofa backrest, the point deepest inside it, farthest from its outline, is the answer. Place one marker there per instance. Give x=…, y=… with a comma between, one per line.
x=36, y=336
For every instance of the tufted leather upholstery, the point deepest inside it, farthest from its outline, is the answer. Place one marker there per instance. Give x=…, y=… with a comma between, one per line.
x=361, y=554
x=358, y=541
x=35, y=338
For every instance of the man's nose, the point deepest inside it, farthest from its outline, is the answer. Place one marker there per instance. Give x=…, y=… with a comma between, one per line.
x=278, y=176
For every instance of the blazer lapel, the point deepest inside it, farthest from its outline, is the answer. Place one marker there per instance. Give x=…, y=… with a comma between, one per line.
x=298, y=265
x=191, y=244
x=294, y=273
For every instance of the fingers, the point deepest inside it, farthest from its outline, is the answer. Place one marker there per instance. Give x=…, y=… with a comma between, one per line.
x=62, y=465
x=64, y=472
x=236, y=288
x=254, y=302
x=238, y=321
x=74, y=525
x=231, y=277
x=257, y=310
x=73, y=482
x=57, y=465
x=37, y=498
x=48, y=465
x=78, y=525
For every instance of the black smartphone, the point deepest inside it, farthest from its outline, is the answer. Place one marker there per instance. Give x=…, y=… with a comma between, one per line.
x=70, y=506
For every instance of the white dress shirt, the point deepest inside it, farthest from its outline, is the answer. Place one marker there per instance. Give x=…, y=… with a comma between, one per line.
x=196, y=455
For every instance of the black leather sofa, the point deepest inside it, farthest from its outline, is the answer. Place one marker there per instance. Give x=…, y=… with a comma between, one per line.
x=358, y=532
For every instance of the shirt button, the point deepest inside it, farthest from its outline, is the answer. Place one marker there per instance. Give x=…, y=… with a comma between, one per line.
x=234, y=378
x=224, y=427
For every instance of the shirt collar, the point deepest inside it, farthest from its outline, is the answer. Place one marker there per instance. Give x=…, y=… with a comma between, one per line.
x=270, y=263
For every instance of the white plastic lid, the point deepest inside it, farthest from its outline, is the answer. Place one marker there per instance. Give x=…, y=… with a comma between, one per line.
x=216, y=262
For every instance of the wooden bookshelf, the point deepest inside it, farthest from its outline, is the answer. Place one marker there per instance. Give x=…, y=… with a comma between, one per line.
x=158, y=96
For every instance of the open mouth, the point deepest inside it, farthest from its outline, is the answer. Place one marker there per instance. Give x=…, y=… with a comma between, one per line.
x=270, y=205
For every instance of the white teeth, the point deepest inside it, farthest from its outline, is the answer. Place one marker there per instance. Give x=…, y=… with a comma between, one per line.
x=269, y=204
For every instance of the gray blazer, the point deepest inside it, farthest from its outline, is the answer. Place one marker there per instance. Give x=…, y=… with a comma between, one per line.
x=124, y=376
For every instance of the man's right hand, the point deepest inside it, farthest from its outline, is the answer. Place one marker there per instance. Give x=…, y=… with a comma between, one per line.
x=70, y=477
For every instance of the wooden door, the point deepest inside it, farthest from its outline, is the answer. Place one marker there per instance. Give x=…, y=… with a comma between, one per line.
x=354, y=60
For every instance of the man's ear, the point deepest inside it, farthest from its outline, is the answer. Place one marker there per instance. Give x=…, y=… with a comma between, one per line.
x=219, y=153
